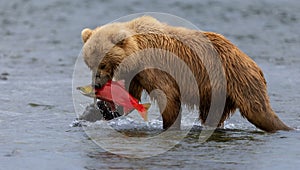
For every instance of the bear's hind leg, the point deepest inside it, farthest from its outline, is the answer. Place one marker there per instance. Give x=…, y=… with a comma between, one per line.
x=262, y=116
x=172, y=115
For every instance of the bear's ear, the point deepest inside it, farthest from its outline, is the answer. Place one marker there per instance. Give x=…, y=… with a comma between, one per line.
x=86, y=34
x=120, y=37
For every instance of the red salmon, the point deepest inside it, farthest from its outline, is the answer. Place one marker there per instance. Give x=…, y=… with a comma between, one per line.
x=114, y=92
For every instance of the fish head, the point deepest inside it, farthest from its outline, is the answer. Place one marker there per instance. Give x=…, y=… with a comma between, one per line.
x=87, y=90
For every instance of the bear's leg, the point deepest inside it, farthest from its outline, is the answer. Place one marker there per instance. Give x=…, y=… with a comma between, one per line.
x=163, y=88
x=261, y=115
x=135, y=89
x=214, y=114
x=229, y=109
x=171, y=115
x=266, y=120
x=170, y=108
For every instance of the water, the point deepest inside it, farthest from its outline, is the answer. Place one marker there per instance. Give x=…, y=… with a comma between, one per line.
x=40, y=41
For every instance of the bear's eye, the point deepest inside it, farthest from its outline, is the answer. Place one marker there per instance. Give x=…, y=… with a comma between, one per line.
x=121, y=43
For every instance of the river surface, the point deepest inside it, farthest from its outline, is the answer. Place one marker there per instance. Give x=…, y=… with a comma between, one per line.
x=40, y=42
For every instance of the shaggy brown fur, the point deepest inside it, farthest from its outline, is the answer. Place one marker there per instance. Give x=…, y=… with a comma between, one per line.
x=119, y=49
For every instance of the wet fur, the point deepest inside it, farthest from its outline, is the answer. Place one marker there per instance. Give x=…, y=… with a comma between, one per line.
x=246, y=87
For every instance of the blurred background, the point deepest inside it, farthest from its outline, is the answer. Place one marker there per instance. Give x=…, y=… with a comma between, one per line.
x=40, y=42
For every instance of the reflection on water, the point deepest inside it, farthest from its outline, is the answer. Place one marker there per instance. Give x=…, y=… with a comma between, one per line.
x=40, y=43
x=226, y=148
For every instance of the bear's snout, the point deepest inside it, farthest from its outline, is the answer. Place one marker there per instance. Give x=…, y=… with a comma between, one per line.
x=100, y=80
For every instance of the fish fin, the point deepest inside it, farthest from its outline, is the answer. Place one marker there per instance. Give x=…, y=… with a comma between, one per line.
x=146, y=105
x=144, y=114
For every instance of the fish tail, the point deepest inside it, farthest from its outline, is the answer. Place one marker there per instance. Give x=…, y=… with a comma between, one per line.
x=146, y=106
x=144, y=111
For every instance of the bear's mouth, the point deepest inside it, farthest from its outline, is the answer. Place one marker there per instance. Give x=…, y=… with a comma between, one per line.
x=97, y=86
x=100, y=81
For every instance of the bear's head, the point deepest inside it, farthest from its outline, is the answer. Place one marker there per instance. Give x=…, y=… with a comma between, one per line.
x=105, y=48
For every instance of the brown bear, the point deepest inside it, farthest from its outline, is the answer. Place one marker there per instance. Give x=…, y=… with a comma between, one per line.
x=107, y=47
